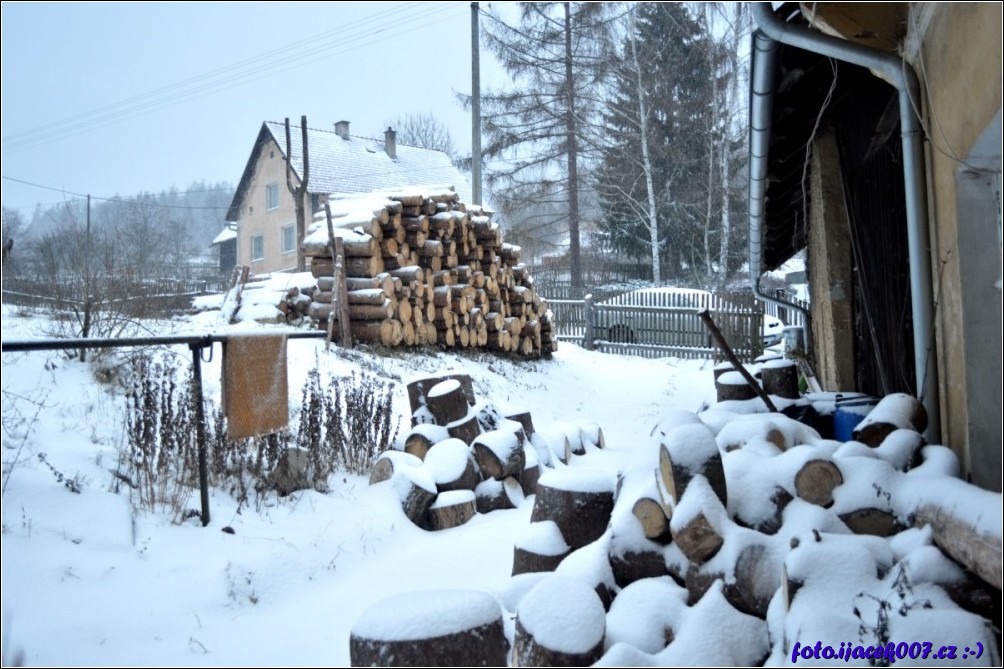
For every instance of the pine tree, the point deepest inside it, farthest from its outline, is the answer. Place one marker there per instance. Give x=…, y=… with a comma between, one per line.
x=538, y=131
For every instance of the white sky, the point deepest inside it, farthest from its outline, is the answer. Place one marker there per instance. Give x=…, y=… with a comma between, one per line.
x=77, y=109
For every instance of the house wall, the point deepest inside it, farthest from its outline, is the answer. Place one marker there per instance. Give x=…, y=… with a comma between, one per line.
x=959, y=60
x=256, y=219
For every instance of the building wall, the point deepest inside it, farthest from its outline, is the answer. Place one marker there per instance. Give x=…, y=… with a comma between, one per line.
x=256, y=219
x=959, y=61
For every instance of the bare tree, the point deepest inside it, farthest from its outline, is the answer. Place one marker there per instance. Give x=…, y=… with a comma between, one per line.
x=426, y=132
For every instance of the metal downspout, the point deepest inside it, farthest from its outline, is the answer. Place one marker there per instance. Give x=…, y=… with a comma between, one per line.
x=901, y=74
x=764, y=80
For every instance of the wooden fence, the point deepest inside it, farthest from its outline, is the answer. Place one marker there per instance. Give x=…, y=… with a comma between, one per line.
x=656, y=324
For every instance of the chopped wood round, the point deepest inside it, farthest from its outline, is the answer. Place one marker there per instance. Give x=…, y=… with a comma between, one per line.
x=447, y=402
x=494, y=495
x=499, y=454
x=419, y=388
x=780, y=377
x=816, y=481
x=541, y=547
x=877, y=522
x=631, y=566
x=732, y=386
x=422, y=437
x=653, y=519
x=688, y=451
x=580, y=508
x=417, y=491
x=451, y=465
x=559, y=623
x=439, y=628
x=895, y=411
x=389, y=462
x=452, y=509
x=697, y=539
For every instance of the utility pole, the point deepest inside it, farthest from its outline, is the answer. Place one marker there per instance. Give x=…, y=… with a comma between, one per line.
x=475, y=105
x=299, y=193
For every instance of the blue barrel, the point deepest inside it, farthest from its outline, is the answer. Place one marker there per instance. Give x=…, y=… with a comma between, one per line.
x=850, y=409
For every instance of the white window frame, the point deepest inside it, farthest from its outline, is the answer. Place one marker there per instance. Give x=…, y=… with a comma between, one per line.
x=259, y=241
x=272, y=197
x=288, y=234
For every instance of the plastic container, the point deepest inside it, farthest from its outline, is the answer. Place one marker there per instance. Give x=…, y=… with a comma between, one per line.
x=850, y=409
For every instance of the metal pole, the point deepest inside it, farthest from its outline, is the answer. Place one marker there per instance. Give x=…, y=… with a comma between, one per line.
x=200, y=427
x=475, y=106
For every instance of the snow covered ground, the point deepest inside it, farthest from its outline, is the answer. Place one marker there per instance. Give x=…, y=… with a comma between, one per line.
x=89, y=581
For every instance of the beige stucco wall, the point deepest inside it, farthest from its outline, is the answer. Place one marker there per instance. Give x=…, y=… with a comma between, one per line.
x=960, y=66
x=256, y=219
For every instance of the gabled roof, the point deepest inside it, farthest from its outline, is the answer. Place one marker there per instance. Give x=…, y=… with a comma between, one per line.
x=353, y=165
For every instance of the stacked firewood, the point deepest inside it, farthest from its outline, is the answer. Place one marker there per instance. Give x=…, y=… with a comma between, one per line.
x=463, y=456
x=427, y=269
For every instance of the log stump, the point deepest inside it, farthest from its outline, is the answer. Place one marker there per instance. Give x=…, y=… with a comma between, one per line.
x=688, y=451
x=499, y=454
x=494, y=495
x=419, y=388
x=733, y=386
x=466, y=429
x=893, y=412
x=578, y=500
x=559, y=623
x=452, y=509
x=452, y=467
x=447, y=402
x=416, y=490
x=780, y=377
x=816, y=481
x=439, y=628
x=390, y=462
x=541, y=548
x=422, y=437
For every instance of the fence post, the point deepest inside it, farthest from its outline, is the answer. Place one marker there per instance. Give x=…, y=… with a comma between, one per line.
x=587, y=340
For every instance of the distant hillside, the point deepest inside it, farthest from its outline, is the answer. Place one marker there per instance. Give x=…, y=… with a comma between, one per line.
x=197, y=213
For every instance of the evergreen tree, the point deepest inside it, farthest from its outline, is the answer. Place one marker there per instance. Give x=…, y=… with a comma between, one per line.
x=655, y=165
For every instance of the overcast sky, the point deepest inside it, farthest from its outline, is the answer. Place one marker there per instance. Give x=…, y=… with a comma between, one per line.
x=113, y=99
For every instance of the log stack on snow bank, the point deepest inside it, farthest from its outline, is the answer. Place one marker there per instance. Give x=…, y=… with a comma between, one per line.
x=463, y=456
x=424, y=268
x=726, y=524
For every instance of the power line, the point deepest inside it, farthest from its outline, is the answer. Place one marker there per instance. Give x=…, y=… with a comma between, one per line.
x=278, y=60
x=118, y=199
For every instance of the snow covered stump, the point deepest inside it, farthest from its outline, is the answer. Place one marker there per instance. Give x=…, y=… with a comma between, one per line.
x=436, y=628
x=578, y=500
x=559, y=623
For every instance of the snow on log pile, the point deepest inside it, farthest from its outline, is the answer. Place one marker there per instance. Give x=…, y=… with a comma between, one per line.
x=424, y=268
x=733, y=537
x=463, y=457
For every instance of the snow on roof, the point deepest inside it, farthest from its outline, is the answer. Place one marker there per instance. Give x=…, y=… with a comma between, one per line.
x=226, y=234
x=360, y=165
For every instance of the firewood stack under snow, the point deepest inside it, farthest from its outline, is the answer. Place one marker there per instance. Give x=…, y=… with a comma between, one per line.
x=424, y=268
x=735, y=520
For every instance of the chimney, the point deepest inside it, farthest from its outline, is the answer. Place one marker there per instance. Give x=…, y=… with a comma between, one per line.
x=342, y=129
x=390, y=143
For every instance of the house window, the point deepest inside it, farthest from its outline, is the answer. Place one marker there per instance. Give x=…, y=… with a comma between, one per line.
x=257, y=248
x=288, y=239
x=272, y=196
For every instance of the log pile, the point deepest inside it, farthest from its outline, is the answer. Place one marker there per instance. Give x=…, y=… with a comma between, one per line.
x=750, y=518
x=462, y=456
x=426, y=269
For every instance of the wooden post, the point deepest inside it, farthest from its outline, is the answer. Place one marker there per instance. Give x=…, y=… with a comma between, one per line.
x=587, y=341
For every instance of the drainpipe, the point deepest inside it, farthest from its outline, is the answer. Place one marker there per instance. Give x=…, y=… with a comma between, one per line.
x=901, y=75
x=764, y=81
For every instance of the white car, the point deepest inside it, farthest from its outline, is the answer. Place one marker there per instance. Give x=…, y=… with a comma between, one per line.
x=773, y=331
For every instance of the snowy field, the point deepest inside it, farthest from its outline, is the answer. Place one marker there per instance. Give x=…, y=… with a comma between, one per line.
x=89, y=581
